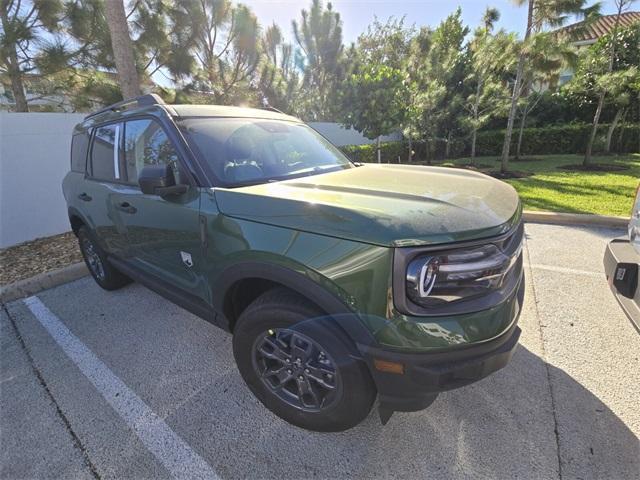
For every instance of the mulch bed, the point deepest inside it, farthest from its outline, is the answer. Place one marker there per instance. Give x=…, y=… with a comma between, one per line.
x=477, y=167
x=38, y=256
x=510, y=174
x=526, y=159
x=595, y=167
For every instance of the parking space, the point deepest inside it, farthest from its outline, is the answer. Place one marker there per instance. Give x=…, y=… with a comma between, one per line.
x=126, y=385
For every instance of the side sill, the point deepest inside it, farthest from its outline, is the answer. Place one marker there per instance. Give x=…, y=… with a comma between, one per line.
x=183, y=299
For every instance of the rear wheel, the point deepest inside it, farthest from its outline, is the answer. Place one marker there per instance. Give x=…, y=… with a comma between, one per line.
x=105, y=274
x=300, y=364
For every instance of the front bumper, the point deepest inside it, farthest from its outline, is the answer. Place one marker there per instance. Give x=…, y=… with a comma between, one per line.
x=426, y=374
x=621, y=254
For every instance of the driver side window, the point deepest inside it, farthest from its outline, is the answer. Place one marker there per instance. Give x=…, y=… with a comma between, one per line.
x=146, y=143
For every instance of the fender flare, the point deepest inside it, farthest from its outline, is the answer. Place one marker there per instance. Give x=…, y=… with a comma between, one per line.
x=347, y=319
x=74, y=212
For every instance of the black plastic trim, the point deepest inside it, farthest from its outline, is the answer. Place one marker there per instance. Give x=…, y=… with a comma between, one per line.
x=427, y=374
x=346, y=318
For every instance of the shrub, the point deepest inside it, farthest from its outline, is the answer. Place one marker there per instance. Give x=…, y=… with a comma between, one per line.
x=566, y=139
x=390, y=151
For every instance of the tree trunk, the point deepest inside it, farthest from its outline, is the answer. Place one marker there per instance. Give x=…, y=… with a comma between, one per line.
x=122, y=48
x=596, y=118
x=447, y=145
x=474, y=137
x=378, y=148
x=621, y=134
x=504, y=165
x=594, y=130
x=523, y=121
x=410, y=150
x=612, y=127
x=13, y=69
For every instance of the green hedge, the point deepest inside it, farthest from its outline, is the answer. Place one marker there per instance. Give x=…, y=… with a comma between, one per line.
x=565, y=139
x=368, y=153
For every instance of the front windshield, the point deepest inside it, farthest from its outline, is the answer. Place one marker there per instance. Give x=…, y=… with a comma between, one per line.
x=246, y=151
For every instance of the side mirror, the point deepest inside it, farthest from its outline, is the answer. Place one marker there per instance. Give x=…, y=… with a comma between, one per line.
x=159, y=180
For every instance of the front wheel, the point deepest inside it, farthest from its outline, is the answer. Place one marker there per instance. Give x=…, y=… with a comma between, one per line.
x=300, y=364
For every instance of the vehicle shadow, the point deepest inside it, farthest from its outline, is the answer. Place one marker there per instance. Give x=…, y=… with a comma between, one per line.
x=505, y=426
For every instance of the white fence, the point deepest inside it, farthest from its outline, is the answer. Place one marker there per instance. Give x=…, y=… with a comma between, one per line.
x=34, y=158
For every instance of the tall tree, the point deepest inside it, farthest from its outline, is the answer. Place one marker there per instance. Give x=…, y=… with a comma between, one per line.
x=549, y=54
x=436, y=70
x=226, y=49
x=490, y=56
x=374, y=101
x=278, y=78
x=122, y=48
x=621, y=6
x=540, y=13
x=318, y=35
x=591, y=78
x=22, y=41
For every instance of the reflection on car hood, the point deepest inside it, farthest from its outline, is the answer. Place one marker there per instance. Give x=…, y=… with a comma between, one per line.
x=391, y=205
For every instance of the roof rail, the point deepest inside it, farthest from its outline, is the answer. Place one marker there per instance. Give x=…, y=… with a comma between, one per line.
x=141, y=101
x=272, y=109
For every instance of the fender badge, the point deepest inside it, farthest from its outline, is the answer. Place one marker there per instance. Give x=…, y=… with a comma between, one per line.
x=186, y=259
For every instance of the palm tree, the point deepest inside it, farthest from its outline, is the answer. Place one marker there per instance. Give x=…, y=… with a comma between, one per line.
x=621, y=5
x=122, y=48
x=540, y=13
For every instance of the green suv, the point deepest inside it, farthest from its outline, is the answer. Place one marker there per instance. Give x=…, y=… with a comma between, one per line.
x=340, y=282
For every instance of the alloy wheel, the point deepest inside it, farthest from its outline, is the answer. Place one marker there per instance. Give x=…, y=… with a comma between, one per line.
x=297, y=369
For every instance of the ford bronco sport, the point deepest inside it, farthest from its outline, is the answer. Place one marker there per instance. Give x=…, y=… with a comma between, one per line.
x=340, y=282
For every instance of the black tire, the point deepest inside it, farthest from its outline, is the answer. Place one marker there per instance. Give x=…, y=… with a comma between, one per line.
x=105, y=274
x=282, y=314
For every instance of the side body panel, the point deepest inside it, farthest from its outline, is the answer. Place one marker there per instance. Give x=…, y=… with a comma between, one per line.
x=159, y=232
x=358, y=274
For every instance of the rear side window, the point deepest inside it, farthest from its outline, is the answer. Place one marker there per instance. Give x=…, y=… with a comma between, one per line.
x=105, y=156
x=146, y=143
x=79, y=147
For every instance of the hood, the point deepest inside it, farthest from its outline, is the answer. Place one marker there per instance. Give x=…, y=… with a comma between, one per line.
x=389, y=205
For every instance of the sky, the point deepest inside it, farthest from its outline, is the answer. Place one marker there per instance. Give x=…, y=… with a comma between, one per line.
x=357, y=14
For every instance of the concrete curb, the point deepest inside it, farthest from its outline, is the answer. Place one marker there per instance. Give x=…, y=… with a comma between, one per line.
x=43, y=281
x=583, y=219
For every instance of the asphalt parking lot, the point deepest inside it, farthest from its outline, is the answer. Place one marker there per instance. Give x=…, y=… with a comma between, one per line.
x=126, y=385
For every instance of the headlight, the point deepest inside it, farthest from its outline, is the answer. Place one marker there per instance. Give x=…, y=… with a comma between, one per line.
x=456, y=275
x=458, y=280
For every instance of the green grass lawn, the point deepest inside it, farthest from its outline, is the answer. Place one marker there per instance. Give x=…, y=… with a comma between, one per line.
x=555, y=190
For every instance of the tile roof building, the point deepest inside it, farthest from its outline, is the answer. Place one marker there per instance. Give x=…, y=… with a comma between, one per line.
x=587, y=34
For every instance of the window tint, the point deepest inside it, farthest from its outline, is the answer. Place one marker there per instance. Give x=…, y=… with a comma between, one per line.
x=79, y=147
x=145, y=143
x=104, y=157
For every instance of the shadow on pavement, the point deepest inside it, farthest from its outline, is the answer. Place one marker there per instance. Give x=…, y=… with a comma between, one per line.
x=502, y=427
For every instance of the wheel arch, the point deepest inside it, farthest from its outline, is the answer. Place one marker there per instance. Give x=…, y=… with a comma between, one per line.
x=76, y=220
x=244, y=282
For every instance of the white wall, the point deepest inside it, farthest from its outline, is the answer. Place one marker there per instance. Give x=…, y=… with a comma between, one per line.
x=339, y=135
x=34, y=158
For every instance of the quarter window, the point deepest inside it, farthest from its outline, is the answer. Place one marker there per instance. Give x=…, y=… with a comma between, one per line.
x=79, y=147
x=146, y=143
x=104, y=154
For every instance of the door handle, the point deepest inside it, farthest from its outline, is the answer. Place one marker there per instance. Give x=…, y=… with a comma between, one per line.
x=126, y=207
x=85, y=197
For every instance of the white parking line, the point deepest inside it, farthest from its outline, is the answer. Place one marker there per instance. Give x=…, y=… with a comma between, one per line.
x=170, y=450
x=571, y=271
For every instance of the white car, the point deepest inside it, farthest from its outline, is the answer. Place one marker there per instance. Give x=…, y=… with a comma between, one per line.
x=621, y=265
